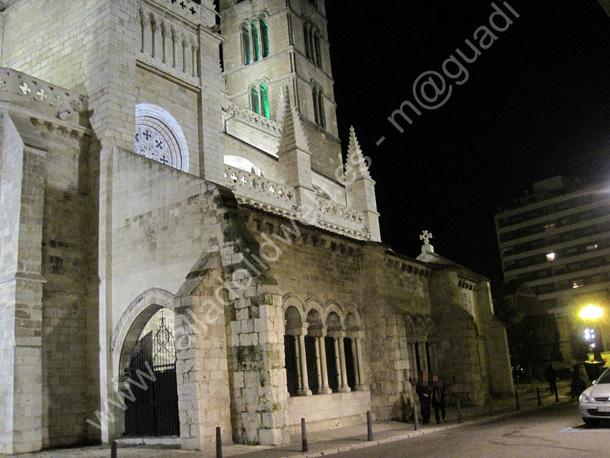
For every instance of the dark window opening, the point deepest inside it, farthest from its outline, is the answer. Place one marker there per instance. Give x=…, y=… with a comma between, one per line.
x=331, y=364
x=292, y=374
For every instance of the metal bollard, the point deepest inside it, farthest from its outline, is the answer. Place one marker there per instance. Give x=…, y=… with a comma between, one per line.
x=218, y=443
x=415, y=417
x=538, y=396
x=459, y=411
x=305, y=445
x=517, y=406
x=369, y=426
x=113, y=450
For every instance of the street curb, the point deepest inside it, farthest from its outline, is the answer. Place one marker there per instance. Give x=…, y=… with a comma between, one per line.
x=409, y=435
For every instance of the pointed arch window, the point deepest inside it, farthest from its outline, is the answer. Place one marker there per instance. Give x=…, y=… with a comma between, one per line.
x=245, y=41
x=255, y=40
x=317, y=50
x=318, y=106
x=259, y=99
x=266, y=112
x=255, y=100
x=307, y=36
x=313, y=43
x=265, y=37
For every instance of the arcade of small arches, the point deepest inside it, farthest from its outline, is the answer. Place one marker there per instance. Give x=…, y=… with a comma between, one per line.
x=323, y=349
x=421, y=346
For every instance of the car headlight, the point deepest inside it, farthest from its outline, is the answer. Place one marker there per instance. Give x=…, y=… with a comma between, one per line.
x=584, y=398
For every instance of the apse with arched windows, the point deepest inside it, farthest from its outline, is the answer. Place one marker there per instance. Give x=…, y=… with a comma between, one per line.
x=323, y=351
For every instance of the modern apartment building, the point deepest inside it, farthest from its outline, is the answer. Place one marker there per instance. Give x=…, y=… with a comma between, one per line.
x=556, y=239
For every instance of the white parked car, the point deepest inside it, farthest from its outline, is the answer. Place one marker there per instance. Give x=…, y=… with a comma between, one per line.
x=594, y=402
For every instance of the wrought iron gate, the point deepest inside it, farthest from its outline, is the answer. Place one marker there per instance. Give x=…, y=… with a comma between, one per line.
x=154, y=412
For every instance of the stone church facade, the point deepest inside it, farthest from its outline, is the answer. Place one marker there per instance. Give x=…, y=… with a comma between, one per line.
x=148, y=196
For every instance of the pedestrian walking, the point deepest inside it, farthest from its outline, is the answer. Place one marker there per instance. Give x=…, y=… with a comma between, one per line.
x=424, y=391
x=551, y=377
x=578, y=384
x=439, y=393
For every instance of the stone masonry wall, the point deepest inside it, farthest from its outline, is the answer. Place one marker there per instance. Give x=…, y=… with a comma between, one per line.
x=22, y=195
x=331, y=270
x=57, y=54
x=64, y=362
x=66, y=387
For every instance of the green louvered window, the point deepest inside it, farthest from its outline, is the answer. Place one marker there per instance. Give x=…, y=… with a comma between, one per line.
x=256, y=41
x=245, y=42
x=265, y=38
x=254, y=100
x=266, y=112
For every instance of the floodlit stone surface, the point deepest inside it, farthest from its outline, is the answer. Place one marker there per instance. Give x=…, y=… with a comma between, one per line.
x=95, y=238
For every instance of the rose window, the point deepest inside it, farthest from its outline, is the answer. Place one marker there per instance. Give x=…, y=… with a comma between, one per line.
x=159, y=137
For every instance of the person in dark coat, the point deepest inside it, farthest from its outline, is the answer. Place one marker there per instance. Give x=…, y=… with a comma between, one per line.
x=439, y=394
x=578, y=384
x=424, y=392
x=551, y=377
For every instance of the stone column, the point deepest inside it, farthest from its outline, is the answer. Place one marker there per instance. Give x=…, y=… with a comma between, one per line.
x=318, y=365
x=298, y=355
x=337, y=362
x=305, y=391
x=344, y=385
x=360, y=367
x=173, y=37
x=324, y=388
x=421, y=352
x=155, y=33
x=146, y=35
x=187, y=57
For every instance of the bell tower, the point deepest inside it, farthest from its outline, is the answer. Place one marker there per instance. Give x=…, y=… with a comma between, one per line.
x=271, y=44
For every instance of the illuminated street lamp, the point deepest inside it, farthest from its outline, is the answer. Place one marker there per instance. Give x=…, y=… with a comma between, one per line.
x=591, y=313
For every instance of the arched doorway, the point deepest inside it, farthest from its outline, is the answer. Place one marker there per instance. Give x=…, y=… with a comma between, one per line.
x=150, y=385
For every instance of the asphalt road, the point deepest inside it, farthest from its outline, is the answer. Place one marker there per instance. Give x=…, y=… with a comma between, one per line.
x=552, y=432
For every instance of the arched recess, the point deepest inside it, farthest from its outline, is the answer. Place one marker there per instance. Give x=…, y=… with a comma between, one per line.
x=292, y=300
x=332, y=307
x=130, y=326
x=126, y=337
x=160, y=137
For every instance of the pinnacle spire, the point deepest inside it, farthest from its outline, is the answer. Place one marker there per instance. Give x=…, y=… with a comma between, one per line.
x=356, y=165
x=293, y=134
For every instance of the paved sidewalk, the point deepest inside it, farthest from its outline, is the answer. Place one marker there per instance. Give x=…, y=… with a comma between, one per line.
x=332, y=441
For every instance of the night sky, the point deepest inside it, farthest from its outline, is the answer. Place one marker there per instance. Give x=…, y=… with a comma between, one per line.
x=537, y=104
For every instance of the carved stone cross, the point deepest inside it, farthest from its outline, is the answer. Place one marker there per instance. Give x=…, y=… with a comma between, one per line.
x=25, y=89
x=42, y=95
x=425, y=237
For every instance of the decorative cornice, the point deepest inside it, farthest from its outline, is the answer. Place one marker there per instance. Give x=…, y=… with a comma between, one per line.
x=252, y=119
x=48, y=101
x=280, y=199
